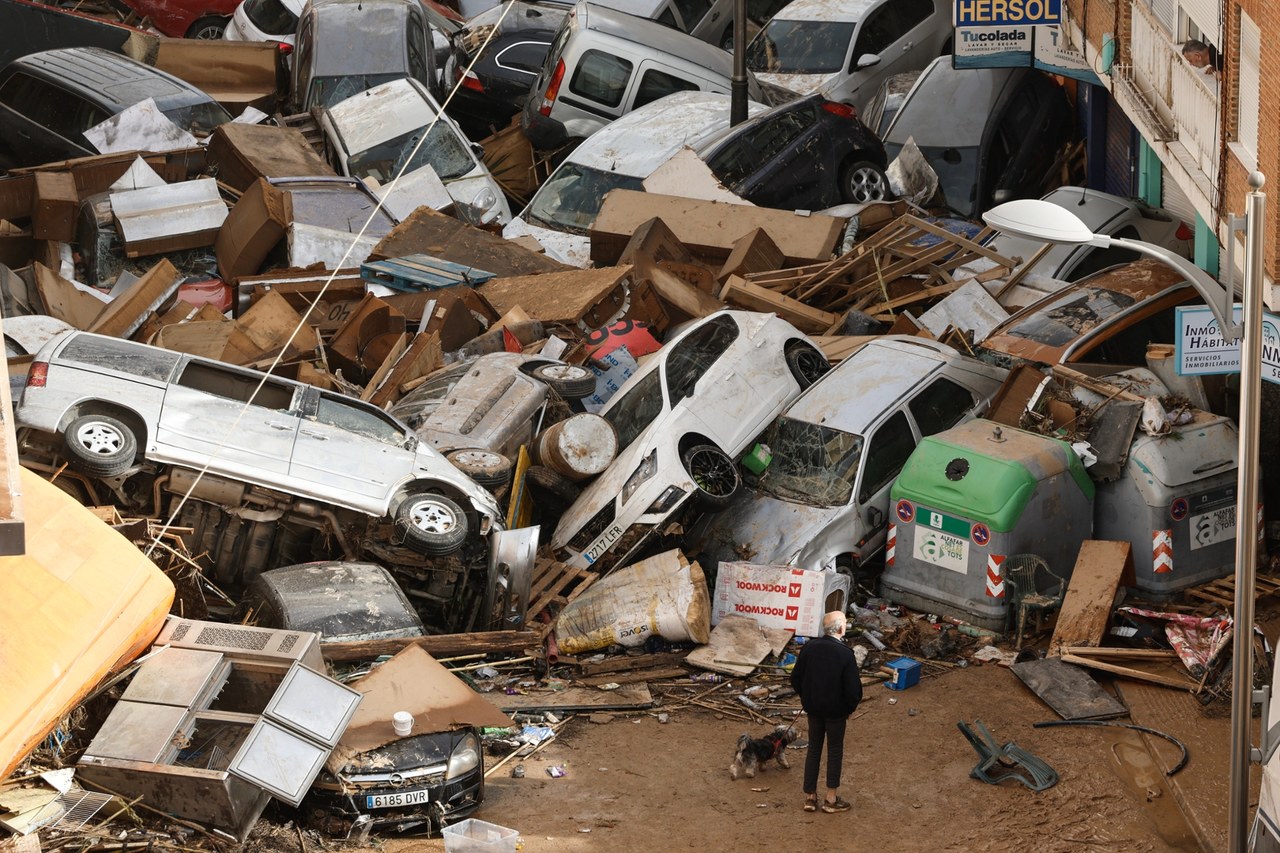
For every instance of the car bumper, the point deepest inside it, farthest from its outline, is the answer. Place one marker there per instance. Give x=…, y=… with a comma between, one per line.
x=448, y=802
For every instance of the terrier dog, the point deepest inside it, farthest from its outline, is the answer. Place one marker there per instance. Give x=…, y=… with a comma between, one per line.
x=755, y=753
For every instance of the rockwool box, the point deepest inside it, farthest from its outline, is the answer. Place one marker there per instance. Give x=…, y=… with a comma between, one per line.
x=779, y=596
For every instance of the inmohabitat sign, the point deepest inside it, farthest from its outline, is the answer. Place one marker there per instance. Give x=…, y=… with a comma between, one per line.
x=1202, y=351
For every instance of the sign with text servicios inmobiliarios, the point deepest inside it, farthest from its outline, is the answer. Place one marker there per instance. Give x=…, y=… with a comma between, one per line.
x=1201, y=349
x=1007, y=13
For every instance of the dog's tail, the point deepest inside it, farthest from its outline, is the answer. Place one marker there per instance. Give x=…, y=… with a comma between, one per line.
x=744, y=742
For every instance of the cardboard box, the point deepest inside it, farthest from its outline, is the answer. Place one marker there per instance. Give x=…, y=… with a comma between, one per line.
x=17, y=196
x=236, y=74
x=775, y=596
x=56, y=205
x=242, y=153
x=126, y=313
x=168, y=218
x=96, y=174
x=592, y=298
x=710, y=228
x=439, y=235
x=16, y=246
x=259, y=220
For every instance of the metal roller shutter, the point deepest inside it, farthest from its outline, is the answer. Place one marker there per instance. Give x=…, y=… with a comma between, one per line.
x=1119, y=154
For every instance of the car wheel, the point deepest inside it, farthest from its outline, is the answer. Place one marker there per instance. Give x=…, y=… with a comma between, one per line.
x=554, y=482
x=863, y=181
x=100, y=445
x=209, y=28
x=714, y=473
x=489, y=469
x=568, y=380
x=431, y=524
x=807, y=365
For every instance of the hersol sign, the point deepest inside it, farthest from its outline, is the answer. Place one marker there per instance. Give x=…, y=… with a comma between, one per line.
x=1006, y=13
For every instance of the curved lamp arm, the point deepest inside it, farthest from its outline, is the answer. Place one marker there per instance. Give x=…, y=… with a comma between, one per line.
x=1217, y=295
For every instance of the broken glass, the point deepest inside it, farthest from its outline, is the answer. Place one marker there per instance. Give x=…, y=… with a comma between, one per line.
x=442, y=151
x=635, y=409
x=1070, y=317
x=800, y=47
x=812, y=463
x=572, y=196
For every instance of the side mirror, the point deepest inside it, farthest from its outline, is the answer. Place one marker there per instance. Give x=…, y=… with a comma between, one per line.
x=478, y=150
x=1001, y=196
x=868, y=59
x=875, y=518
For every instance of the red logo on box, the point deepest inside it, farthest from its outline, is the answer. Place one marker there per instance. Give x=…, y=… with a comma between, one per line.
x=793, y=590
x=793, y=613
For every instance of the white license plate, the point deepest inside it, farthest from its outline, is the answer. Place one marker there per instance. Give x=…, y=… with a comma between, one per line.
x=598, y=548
x=397, y=800
x=941, y=549
x=1212, y=527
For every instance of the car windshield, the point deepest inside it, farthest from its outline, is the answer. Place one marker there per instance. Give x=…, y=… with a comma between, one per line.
x=442, y=152
x=418, y=405
x=957, y=170
x=1070, y=317
x=271, y=17
x=636, y=409
x=200, y=119
x=812, y=463
x=800, y=47
x=327, y=91
x=570, y=200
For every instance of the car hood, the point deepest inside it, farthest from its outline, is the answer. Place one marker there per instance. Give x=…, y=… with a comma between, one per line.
x=572, y=249
x=759, y=528
x=803, y=84
x=409, y=753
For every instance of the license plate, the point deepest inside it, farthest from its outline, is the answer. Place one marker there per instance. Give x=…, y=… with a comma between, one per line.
x=397, y=800
x=598, y=548
x=1212, y=527
x=941, y=549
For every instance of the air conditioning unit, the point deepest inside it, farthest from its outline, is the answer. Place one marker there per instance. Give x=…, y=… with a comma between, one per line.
x=243, y=641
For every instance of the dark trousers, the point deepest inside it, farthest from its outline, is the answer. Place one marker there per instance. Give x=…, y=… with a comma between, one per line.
x=830, y=729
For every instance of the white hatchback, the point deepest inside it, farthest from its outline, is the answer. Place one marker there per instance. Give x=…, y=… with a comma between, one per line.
x=264, y=20
x=845, y=49
x=683, y=420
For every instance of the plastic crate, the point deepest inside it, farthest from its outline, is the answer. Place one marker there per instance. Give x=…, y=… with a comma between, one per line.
x=906, y=673
x=479, y=836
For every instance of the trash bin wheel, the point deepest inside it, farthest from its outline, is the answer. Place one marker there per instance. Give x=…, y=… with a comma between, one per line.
x=100, y=445
x=714, y=473
x=431, y=524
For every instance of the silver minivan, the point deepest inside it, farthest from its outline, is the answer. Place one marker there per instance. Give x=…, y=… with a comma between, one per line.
x=822, y=501
x=604, y=63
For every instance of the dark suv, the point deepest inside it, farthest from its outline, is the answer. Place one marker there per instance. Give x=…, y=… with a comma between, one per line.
x=49, y=99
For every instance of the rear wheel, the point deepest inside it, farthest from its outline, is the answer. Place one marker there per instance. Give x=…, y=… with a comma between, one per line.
x=489, y=469
x=714, y=473
x=209, y=28
x=101, y=445
x=807, y=365
x=863, y=181
x=431, y=524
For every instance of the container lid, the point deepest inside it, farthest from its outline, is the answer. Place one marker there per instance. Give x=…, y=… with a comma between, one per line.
x=975, y=473
x=1207, y=447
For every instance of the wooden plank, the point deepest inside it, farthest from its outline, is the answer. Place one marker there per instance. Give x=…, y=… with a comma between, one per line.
x=439, y=645
x=880, y=311
x=678, y=293
x=738, y=291
x=658, y=673
x=1068, y=690
x=627, y=663
x=1086, y=608
x=634, y=696
x=1100, y=652
x=1137, y=674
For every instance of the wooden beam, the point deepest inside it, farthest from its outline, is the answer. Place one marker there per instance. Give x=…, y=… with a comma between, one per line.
x=1137, y=674
x=439, y=645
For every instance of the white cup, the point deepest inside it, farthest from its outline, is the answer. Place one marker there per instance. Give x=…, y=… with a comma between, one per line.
x=402, y=721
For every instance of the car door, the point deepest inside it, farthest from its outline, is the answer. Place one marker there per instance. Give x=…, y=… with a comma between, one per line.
x=231, y=419
x=887, y=450
x=350, y=452
x=788, y=163
x=896, y=33
x=708, y=390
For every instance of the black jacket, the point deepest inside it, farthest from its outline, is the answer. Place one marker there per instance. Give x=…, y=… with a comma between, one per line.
x=826, y=678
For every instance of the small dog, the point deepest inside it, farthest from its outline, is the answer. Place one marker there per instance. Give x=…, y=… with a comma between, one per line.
x=755, y=753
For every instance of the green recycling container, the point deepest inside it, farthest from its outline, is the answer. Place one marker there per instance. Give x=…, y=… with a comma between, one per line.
x=967, y=499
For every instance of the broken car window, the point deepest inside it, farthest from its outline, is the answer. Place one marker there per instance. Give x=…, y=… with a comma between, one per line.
x=442, y=152
x=350, y=415
x=1066, y=319
x=327, y=91
x=940, y=406
x=886, y=454
x=812, y=463
x=571, y=198
x=693, y=355
x=744, y=155
x=638, y=405
x=800, y=47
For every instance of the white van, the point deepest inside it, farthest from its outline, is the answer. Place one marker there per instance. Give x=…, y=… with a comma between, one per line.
x=620, y=156
x=604, y=63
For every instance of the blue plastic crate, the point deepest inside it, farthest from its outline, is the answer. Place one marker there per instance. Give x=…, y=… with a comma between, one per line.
x=906, y=673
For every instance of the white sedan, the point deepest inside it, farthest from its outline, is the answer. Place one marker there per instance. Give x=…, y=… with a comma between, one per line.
x=683, y=420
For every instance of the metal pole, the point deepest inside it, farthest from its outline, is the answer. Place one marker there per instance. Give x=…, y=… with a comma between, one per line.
x=738, y=85
x=1246, y=521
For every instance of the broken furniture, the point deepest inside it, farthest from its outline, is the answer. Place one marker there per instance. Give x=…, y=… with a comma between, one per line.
x=998, y=762
x=1025, y=577
x=217, y=720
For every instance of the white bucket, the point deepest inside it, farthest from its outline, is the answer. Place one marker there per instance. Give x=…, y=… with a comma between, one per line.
x=402, y=721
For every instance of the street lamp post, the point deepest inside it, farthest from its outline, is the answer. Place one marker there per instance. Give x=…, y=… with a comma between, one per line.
x=1041, y=220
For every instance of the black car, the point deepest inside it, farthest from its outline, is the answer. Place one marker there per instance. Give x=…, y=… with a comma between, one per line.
x=49, y=99
x=808, y=154
x=496, y=86
x=991, y=134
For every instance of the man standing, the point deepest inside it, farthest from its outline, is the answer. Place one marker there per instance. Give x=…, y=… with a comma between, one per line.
x=826, y=678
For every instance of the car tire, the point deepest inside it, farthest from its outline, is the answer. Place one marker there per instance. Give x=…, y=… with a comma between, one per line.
x=806, y=364
x=713, y=472
x=431, y=524
x=568, y=380
x=862, y=181
x=489, y=469
x=208, y=28
x=554, y=482
x=100, y=445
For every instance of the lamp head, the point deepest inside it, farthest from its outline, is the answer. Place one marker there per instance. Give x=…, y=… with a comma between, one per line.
x=1036, y=219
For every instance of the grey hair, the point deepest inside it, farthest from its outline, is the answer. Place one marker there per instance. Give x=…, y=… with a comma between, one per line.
x=1194, y=45
x=834, y=628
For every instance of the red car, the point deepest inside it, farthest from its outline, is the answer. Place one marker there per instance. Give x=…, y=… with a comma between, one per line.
x=193, y=19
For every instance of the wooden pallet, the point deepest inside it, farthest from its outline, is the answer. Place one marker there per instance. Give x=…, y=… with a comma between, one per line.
x=555, y=583
x=1223, y=590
